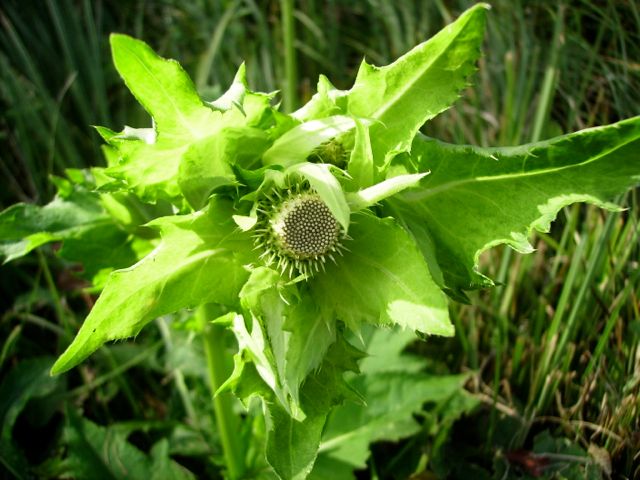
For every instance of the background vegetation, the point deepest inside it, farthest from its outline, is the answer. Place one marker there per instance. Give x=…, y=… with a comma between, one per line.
x=552, y=356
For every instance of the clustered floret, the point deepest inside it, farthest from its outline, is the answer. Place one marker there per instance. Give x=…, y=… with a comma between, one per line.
x=298, y=233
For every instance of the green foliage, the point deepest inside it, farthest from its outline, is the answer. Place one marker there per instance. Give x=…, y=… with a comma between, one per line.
x=394, y=388
x=415, y=215
x=402, y=96
x=26, y=227
x=383, y=280
x=535, y=181
x=104, y=453
x=27, y=382
x=199, y=260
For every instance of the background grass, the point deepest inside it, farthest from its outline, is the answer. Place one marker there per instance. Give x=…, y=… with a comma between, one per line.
x=554, y=352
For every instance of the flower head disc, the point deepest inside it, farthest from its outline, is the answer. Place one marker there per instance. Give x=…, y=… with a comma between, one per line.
x=299, y=234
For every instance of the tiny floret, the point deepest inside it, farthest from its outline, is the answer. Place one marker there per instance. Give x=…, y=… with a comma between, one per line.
x=298, y=233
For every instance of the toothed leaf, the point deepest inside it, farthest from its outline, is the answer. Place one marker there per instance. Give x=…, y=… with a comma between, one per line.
x=476, y=198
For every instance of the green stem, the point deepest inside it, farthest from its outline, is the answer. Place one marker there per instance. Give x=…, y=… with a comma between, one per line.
x=178, y=377
x=550, y=77
x=55, y=296
x=226, y=421
x=289, y=95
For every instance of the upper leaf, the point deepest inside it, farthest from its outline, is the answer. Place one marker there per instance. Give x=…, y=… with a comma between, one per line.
x=162, y=87
x=200, y=260
x=150, y=165
x=476, y=198
x=402, y=96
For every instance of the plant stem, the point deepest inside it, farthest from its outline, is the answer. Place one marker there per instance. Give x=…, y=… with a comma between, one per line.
x=288, y=38
x=55, y=296
x=550, y=77
x=177, y=374
x=226, y=421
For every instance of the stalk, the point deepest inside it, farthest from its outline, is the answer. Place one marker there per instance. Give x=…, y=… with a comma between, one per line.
x=61, y=316
x=289, y=96
x=226, y=421
x=550, y=77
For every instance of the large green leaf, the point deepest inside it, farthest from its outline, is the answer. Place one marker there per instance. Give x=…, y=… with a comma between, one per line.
x=88, y=234
x=476, y=198
x=292, y=444
x=149, y=164
x=383, y=278
x=200, y=260
x=402, y=96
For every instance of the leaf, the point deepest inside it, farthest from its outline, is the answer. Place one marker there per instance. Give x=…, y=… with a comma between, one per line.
x=298, y=143
x=289, y=336
x=149, y=165
x=200, y=260
x=383, y=279
x=476, y=198
x=90, y=236
x=391, y=400
x=395, y=389
x=292, y=446
x=401, y=97
x=311, y=335
x=163, y=88
x=206, y=164
x=104, y=453
x=150, y=168
x=24, y=227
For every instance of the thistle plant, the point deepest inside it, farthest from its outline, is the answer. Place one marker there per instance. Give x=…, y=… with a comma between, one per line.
x=294, y=230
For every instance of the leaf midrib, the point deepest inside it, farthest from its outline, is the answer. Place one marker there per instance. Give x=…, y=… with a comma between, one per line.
x=417, y=196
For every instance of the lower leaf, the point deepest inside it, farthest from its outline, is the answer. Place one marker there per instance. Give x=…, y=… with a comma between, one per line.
x=292, y=446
